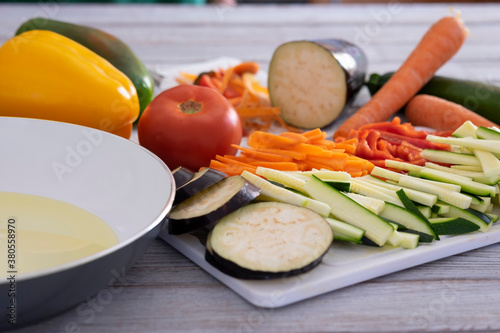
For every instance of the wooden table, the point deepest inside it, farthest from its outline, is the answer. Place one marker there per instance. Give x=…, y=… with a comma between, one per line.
x=165, y=292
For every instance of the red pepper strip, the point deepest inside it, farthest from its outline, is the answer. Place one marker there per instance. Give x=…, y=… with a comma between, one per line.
x=368, y=146
x=421, y=143
x=395, y=126
x=372, y=139
x=363, y=150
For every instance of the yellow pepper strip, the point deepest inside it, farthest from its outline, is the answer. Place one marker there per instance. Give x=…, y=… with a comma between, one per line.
x=48, y=76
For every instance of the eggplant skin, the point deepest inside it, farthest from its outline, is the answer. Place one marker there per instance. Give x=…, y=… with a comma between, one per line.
x=181, y=176
x=352, y=59
x=232, y=269
x=199, y=181
x=222, y=206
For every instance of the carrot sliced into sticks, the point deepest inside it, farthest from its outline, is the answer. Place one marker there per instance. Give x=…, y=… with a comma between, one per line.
x=440, y=114
x=438, y=45
x=327, y=144
x=288, y=151
x=348, y=148
x=314, y=135
x=308, y=149
x=230, y=169
x=292, y=135
x=336, y=162
x=264, y=155
x=267, y=140
x=296, y=155
x=282, y=166
x=229, y=160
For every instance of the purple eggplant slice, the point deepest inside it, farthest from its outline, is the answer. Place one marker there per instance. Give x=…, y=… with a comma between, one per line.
x=211, y=204
x=269, y=240
x=199, y=181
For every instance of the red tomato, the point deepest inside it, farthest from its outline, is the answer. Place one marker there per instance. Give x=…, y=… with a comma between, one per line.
x=188, y=126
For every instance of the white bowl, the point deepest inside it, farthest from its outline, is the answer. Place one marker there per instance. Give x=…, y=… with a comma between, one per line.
x=124, y=184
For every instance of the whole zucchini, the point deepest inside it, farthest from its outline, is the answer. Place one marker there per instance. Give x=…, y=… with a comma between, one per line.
x=313, y=81
x=480, y=97
x=107, y=46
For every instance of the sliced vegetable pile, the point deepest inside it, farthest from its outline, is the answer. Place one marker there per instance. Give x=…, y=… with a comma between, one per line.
x=293, y=152
x=248, y=96
x=399, y=205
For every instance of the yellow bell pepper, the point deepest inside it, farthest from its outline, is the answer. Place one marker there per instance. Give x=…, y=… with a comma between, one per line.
x=48, y=76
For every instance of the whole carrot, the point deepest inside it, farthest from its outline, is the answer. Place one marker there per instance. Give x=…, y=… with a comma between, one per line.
x=443, y=39
x=440, y=114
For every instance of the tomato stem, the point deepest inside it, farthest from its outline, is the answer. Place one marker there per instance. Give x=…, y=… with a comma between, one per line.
x=190, y=107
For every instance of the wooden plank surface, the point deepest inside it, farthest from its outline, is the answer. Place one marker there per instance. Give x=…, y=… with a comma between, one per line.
x=165, y=292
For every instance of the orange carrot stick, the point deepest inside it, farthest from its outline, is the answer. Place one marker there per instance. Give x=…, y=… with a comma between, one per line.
x=231, y=160
x=336, y=162
x=282, y=166
x=440, y=114
x=314, y=134
x=257, y=154
x=292, y=135
x=230, y=169
x=438, y=45
x=327, y=144
x=307, y=148
x=296, y=155
x=260, y=139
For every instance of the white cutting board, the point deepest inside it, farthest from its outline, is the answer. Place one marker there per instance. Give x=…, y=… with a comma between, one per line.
x=345, y=264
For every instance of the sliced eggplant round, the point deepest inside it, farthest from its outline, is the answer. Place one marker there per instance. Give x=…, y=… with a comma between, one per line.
x=268, y=240
x=313, y=81
x=199, y=181
x=211, y=204
x=181, y=176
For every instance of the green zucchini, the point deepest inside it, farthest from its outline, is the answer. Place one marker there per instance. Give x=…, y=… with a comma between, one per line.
x=410, y=222
x=484, y=221
x=282, y=194
x=107, y=46
x=487, y=133
x=346, y=232
x=481, y=97
x=452, y=225
x=377, y=230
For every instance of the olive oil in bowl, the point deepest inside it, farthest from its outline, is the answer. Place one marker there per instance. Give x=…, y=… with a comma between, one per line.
x=37, y=233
